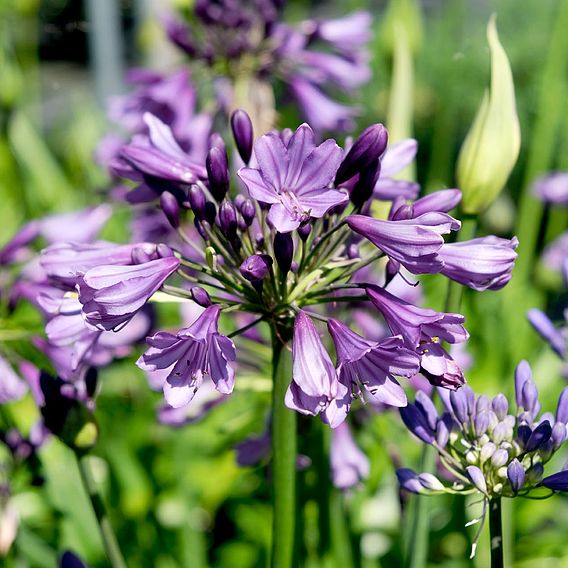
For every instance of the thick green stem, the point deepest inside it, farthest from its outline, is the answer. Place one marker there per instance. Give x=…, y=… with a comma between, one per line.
x=284, y=451
x=496, y=533
x=112, y=549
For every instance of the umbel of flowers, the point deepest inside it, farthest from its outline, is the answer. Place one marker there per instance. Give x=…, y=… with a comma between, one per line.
x=486, y=447
x=292, y=236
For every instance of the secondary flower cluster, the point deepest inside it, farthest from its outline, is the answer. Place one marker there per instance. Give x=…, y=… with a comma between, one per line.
x=482, y=447
x=248, y=41
x=295, y=235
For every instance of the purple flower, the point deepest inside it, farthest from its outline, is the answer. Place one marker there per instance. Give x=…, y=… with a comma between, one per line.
x=111, y=295
x=315, y=387
x=349, y=465
x=516, y=475
x=482, y=264
x=552, y=188
x=557, y=338
x=372, y=364
x=396, y=158
x=193, y=352
x=256, y=267
x=294, y=178
x=415, y=243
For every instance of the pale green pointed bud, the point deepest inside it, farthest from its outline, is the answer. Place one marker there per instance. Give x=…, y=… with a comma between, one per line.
x=492, y=145
x=211, y=258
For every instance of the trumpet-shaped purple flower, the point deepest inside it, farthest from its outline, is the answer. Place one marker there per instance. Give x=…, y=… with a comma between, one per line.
x=189, y=355
x=373, y=365
x=293, y=178
x=349, y=465
x=315, y=387
x=111, y=295
x=482, y=264
x=415, y=243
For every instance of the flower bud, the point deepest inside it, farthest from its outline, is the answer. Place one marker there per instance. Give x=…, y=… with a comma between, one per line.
x=248, y=212
x=562, y=408
x=217, y=173
x=492, y=145
x=535, y=473
x=170, y=207
x=203, y=228
x=539, y=436
x=430, y=482
x=200, y=297
x=304, y=231
x=559, y=435
x=499, y=458
x=197, y=200
x=228, y=219
x=477, y=478
x=216, y=141
x=487, y=451
x=500, y=406
x=256, y=267
x=364, y=186
x=241, y=125
x=284, y=251
x=164, y=251
x=481, y=423
x=365, y=150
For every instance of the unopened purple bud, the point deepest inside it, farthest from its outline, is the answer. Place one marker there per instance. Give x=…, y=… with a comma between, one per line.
x=559, y=434
x=557, y=481
x=523, y=434
x=363, y=188
x=529, y=396
x=516, y=475
x=259, y=240
x=200, y=297
x=365, y=150
x=294, y=266
x=217, y=173
x=408, y=480
x=228, y=219
x=499, y=458
x=442, y=434
x=539, y=436
x=197, y=201
x=284, y=251
x=353, y=252
x=164, y=251
x=562, y=408
x=241, y=125
x=487, y=451
x=500, y=406
x=459, y=405
x=203, y=228
x=477, y=478
x=304, y=231
x=256, y=267
x=415, y=420
x=482, y=403
x=170, y=207
x=500, y=432
x=239, y=200
x=523, y=374
x=216, y=141
x=426, y=406
x=481, y=423
x=248, y=212
x=431, y=482
x=141, y=255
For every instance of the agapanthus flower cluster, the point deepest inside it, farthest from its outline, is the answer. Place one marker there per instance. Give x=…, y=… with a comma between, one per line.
x=248, y=46
x=291, y=237
x=485, y=446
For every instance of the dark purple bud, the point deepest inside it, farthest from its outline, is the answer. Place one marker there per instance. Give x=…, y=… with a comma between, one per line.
x=409, y=481
x=304, y=231
x=241, y=223
x=516, y=475
x=523, y=434
x=259, y=240
x=256, y=267
x=228, y=219
x=557, y=481
x=203, y=228
x=562, y=408
x=353, y=252
x=239, y=200
x=170, y=207
x=241, y=126
x=217, y=173
x=216, y=141
x=539, y=436
x=284, y=251
x=364, y=186
x=70, y=560
x=535, y=473
x=365, y=150
x=200, y=297
x=248, y=212
x=91, y=381
x=197, y=201
x=477, y=478
x=500, y=406
x=210, y=212
x=415, y=420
